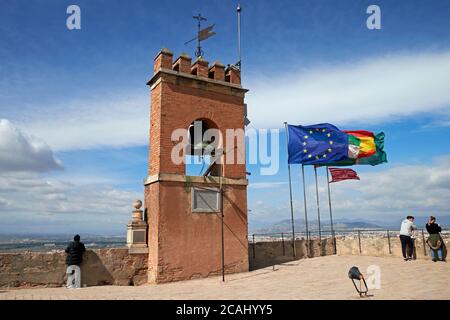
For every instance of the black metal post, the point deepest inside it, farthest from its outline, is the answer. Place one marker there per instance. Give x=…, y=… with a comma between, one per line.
x=306, y=210
x=222, y=218
x=311, y=248
x=424, y=244
x=282, y=242
x=359, y=241
x=331, y=212
x=199, y=48
x=318, y=208
x=334, y=242
x=290, y=194
x=389, y=241
x=253, y=246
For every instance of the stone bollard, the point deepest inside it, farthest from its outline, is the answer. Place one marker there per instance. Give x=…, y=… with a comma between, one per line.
x=137, y=231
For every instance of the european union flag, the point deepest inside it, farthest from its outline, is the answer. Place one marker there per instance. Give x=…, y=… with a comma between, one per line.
x=316, y=144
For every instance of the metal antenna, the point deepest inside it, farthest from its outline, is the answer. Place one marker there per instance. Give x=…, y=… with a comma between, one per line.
x=238, y=10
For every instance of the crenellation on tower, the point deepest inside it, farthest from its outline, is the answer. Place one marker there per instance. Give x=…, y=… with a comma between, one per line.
x=233, y=74
x=163, y=60
x=183, y=63
x=200, y=67
x=217, y=71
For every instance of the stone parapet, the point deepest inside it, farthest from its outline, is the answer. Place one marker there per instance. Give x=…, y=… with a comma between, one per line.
x=48, y=269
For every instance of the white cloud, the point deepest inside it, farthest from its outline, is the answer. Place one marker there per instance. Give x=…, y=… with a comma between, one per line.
x=265, y=185
x=3, y=203
x=413, y=189
x=394, y=192
x=28, y=198
x=115, y=120
x=20, y=152
x=366, y=91
x=442, y=120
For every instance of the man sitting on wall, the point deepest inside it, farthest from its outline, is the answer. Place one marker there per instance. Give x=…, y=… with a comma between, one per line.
x=435, y=241
x=74, y=251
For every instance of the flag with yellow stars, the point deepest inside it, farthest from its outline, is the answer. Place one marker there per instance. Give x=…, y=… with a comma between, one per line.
x=317, y=144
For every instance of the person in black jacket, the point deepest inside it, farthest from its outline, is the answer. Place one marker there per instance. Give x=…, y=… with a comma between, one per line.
x=432, y=226
x=435, y=242
x=74, y=251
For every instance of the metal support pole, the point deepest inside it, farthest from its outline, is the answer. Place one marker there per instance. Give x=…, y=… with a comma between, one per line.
x=334, y=242
x=282, y=242
x=238, y=10
x=253, y=246
x=359, y=241
x=318, y=208
x=331, y=212
x=306, y=210
x=424, y=244
x=198, y=53
x=311, y=248
x=389, y=242
x=222, y=225
x=290, y=195
x=199, y=48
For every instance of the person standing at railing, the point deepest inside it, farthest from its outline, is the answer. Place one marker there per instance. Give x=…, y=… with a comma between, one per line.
x=406, y=231
x=435, y=241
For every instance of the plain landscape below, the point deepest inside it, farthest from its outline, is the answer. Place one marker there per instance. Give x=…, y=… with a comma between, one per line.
x=36, y=242
x=16, y=242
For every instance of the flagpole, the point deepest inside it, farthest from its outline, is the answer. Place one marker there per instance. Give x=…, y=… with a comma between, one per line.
x=222, y=217
x=290, y=193
x=238, y=10
x=318, y=209
x=331, y=212
x=306, y=210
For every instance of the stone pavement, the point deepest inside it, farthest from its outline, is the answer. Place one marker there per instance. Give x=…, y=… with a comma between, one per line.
x=316, y=278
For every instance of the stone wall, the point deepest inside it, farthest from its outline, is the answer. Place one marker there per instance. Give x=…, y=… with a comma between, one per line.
x=268, y=253
x=99, y=267
x=379, y=247
x=118, y=267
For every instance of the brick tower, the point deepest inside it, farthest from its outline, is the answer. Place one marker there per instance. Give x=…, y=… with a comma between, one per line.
x=184, y=238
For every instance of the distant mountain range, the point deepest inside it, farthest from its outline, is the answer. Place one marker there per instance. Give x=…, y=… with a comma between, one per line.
x=341, y=224
x=299, y=224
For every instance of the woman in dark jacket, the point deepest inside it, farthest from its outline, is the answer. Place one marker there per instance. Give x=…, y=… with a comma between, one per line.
x=435, y=241
x=75, y=251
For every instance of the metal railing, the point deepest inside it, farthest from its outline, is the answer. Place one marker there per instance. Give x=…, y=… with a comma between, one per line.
x=284, y=237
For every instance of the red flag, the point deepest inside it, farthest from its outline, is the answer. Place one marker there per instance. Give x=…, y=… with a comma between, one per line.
x=339, y=174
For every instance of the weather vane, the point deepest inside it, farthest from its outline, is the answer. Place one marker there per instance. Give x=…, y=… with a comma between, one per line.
x=202, y=35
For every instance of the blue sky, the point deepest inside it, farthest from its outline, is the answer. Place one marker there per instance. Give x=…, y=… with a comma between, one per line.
x=78, y=100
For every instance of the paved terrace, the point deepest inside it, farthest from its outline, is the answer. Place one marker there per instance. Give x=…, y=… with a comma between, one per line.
x=316, y=278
